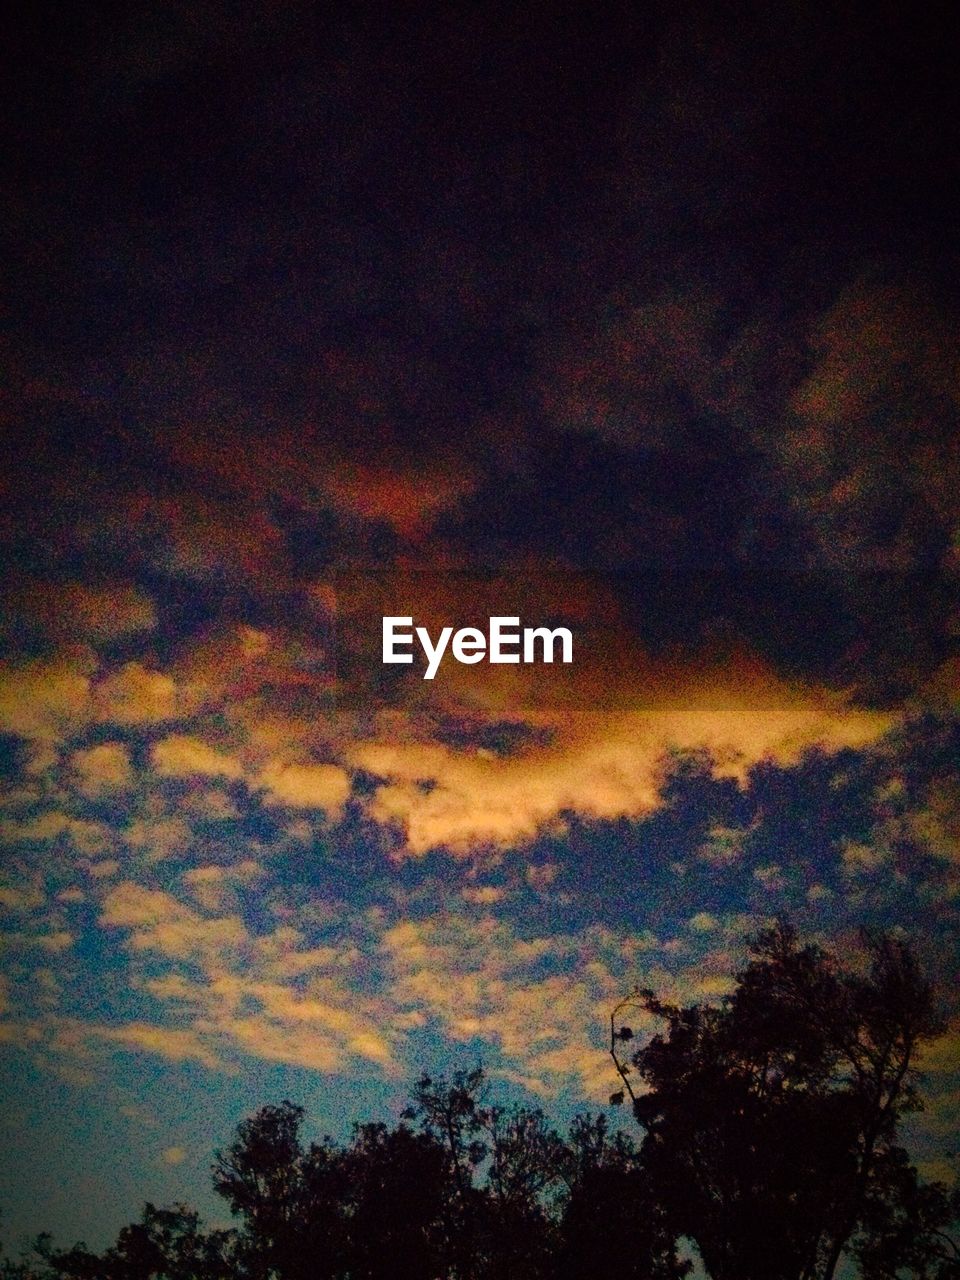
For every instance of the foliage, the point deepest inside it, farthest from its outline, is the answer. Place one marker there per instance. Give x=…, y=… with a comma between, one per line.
x=770, y=1139
x=771, y=1119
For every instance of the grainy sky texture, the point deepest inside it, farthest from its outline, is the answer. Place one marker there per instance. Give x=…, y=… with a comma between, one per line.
x=639, y=319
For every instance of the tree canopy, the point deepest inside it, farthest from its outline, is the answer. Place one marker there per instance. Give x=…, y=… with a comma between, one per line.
x=768, y=1137
x=771, y=1120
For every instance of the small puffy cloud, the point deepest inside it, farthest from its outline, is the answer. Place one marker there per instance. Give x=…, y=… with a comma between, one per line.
x=819, y=893
x=770, y=877
x=136, y=695
x=101, y=769
x=212, y=805
x=723, y=846
x=212, y=886
x=183, y=756
x=139, y=1115
x=306, y=786
x=158, y=838
x=935, y=824
x=177, y=1044
x=103, y=870
x=173, y=1155
x=59, y=940
x=54, y=942
x=245, y=870
x=15, y=1033
x=43, y=701
x=89, y=838
x=863, y=857
x=20, y=898
x=134, y=906
x=703, y=922
x=540, y=876
x=484, y=895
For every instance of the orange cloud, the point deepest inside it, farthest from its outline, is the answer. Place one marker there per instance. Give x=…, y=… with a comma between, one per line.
x=602, y=764
x=44, y=700
x=185, y=756
x=409, y=499
x=136, y=695
x=101, y=769
x=178, y=1044
x=306, y=786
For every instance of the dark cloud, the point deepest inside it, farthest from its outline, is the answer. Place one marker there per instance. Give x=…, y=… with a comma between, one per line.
x=294, y=287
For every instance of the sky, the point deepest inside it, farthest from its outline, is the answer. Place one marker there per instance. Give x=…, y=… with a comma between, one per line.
x=630, y=319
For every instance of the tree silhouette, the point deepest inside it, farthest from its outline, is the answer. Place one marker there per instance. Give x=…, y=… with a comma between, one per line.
x=907, y=1226
x=613, y=1222
x=769, y=1138
x=327, y=1212
x=398, y=1192
x=166, y=1244
x=504, y=1224
x=771, y=1120
x=265, y=1177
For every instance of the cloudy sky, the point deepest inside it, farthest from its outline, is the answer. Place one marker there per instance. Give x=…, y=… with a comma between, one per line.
x=639, y=322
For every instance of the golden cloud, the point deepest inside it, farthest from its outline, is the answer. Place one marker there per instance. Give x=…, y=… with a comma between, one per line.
x=43, y=700
x=603, y=764
x=158, y=837
x=177, y=1044
x=101, y=769
x=136, y=695
x=306, y=786
x=184, y=756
